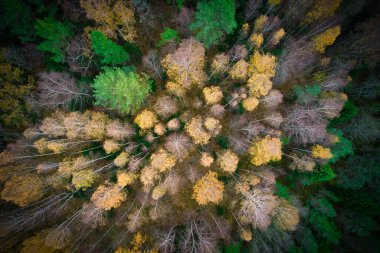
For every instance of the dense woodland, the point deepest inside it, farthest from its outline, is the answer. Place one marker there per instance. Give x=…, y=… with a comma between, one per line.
x=189, y=126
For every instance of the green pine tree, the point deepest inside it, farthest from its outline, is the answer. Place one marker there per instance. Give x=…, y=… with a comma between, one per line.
x=57, y=35
x=110, y=52
x=213, y=19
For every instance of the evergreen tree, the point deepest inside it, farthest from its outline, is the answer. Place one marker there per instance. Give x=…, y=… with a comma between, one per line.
x=214, y=19
x=56, y=36
x=110, y=52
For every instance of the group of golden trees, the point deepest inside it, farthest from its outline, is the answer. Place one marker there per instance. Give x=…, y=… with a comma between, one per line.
x=209, y=137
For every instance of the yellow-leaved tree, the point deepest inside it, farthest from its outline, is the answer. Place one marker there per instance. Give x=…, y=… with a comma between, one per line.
x=261, y=69
x=208, y=189
x=327, y=38
x=184, y=67
x=23, y=189
x=265, y=150
x=112, y=19
x=322, y=9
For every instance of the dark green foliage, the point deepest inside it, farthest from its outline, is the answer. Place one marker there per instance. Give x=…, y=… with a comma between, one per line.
x=233, y=248
x=359, y=171
x=307, y=94
x=180, y=3
x=324, y=227
x=350, y=110
x=115, y=89
x=359, y=223
x=17, y=16
x=282, y=191
x=323, y=205
x=110, y=52
x=308, y=241
x=56, y=35
x=341, y=149
x=320, y=174
x=222, y=141
x=213, y=19
x=132, y=50
x=168, y=35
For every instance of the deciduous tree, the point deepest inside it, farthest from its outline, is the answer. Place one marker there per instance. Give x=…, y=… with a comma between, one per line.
x=116, y=89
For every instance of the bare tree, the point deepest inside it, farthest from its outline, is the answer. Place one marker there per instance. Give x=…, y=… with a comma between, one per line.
x=80, y=56
x=152, y=62
x=166, y=240
x=256, y=208
x=198, y=237
x=251, y=9
x=305, y=124
x=59, y=89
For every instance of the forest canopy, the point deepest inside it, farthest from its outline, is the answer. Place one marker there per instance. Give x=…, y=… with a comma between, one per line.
x=193, y=126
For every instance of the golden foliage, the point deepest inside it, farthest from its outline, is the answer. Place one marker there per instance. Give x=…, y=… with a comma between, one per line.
x=14, y=88
x=213, y=126
x=256, y=40
x=159, y=129
x=108, y=197
x=246, y=234
x=41, y=145
x=327, y=38
x=121, y=160
x=75, y=123
x=112, y=19
x=138, y=245
x=158, y=192
x=56, y=146
x=250, y=103
x=286, y=216
x=23, y=189
x=125, y=178
x=239, y=71
x=228, y=161
x=277, y=36
x=146, y=119
x=274, y=2
x=36, y=244
x=196, y=131
x=260, y=23
x=317, y=151
x=261, y=68
x=175, y=89
x=206, y=159
x=148, y=176
x=246, y=183
x=66, y=166
x=110, y=146
x=220, y=62
x=208, y=189
x=162, y=160
x=259, y=85
x=83, y=179
x=265, y=150
x=322, y=9
x=173, y=124
x=185, y=66
x=96, y=127
x=212, y=94
x=262, y=64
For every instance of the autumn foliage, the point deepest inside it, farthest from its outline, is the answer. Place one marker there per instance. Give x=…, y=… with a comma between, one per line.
x=189, y=126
